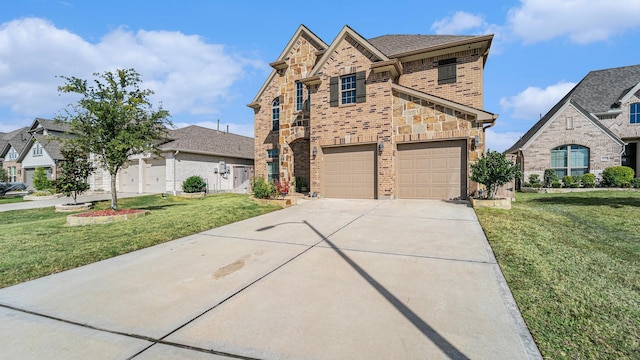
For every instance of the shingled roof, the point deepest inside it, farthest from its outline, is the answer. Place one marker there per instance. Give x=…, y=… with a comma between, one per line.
x=51, y=125
x=392, y=45
x=17, y=138
x=597, y=93
x=201, y=140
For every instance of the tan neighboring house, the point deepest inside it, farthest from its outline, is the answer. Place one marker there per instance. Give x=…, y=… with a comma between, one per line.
x=12, y=144
x=596, y=125
x=396, y=116
x=43, y=149
x=224, y=160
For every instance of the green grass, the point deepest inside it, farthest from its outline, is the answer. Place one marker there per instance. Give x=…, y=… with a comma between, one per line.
x=572, y=262
x=10, y=199
x=37, y=242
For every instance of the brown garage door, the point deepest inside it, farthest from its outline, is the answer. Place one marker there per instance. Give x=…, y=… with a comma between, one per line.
x=349, y=172
x=432, y=170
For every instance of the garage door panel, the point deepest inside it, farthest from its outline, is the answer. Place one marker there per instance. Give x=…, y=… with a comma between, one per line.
x=349, y=172
x=432, y=170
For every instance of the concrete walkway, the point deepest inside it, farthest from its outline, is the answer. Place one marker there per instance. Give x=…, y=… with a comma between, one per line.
x=327, y=279
x=35, y=204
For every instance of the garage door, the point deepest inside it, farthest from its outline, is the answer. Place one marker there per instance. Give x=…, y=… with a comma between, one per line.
x=432, y=170
x=156, y=176
x=129, y=177
x=28, y=177
x=349, y=172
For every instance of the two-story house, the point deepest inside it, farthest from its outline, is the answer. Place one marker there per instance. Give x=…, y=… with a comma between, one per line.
x=395, y=116
x=11, y=146
x=596, y=125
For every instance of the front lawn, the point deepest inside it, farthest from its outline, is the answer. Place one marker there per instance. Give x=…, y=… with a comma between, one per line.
x=10, y=199
x=572, y=262
x=35, y=243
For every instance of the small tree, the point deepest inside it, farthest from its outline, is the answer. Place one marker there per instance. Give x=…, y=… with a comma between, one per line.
x=40, y=181
x=550, y=176
x=114, y=119
x=494, y=170
x=3, y=175
x=74, y=172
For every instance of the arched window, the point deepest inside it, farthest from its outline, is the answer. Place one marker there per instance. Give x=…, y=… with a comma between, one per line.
x=634, y=113
x=275, y=114
x=570, y=160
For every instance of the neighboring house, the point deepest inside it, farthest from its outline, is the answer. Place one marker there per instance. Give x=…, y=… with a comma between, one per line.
x=43, y=149
x=11, y=146
x=596, y=125
x=396, y=116
x=222, y=159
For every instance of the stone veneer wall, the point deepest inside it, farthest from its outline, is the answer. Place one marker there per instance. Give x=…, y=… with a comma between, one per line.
x=603, y=151
x=422, y=75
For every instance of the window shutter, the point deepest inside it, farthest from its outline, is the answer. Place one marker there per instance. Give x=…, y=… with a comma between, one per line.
x=361, y=89
x=334, y=92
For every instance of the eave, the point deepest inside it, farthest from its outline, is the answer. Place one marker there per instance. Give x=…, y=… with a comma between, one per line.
x=312, y=80
x=254, y=105
x=482, y=43
x=394, y=66
x=279, y=65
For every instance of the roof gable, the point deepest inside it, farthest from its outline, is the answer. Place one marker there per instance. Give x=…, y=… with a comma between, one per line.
x=201, y=140
x=50, y=125
x=600, y=90
x=361, y=44
x=17, y=138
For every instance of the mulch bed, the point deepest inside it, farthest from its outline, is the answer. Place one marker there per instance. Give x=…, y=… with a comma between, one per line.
x=109, y=212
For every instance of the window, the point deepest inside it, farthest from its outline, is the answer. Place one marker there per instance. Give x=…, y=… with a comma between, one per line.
x=298, y=95
x=11, y=174
x=348, y=89
x=272, y=171
x=37, y=149
x=12, y=155
x=272, y=153
x=275, y=114
x=570, y=160
x=569, y=123
x=634, y=113
x=447, y=71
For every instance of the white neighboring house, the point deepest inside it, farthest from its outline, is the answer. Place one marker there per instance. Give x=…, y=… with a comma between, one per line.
x=42, y=149
x=224, y=160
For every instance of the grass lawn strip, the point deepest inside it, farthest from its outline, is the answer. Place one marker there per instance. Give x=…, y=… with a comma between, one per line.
x=36, y=242
x=10, y=199
x=572, y=262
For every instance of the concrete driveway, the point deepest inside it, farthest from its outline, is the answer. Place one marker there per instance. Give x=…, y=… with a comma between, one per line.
x=327, y=279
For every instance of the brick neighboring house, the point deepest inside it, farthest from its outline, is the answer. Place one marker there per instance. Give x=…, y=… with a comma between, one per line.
x=43, y=149
x=224, y=160
x=396, y=116
x=12, y=144
x=596, y=125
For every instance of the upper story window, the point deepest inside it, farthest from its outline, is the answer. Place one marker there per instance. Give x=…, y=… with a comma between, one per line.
x=447, y=71
x=272, y=153
x=299, y=98
x=348, y=89
x=37, y=149
x=569, y=123
x=12, y=155
x=634, y=113
x=275, y=114
x=570, y=160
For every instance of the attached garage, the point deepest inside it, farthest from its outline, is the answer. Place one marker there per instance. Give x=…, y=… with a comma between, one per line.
x=432, y=170
x=350, y=172
x=28, y=176
x=155, y=176
x=129, y=177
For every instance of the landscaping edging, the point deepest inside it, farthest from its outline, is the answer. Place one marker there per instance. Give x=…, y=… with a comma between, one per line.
x=73, y=207
x=37, y=198
x=285, y=203
x=568, y=190
x=75, y=220
x=198, y=195
x=492, y=203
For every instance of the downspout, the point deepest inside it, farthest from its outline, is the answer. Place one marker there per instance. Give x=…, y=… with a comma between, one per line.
x=174, y=172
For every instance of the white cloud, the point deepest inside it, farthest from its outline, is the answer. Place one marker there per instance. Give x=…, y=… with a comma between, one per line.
x=501, y=141
x=460, y=22
x=583, y=21
x=188, y=75
x=534, y=101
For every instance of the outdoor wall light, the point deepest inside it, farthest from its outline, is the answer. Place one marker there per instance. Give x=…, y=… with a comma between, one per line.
x=315, y=152
x=381, y=147
x=282, y=159
x=476, y=141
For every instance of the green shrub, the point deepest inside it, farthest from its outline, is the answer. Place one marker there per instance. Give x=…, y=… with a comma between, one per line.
x=194, y=184
x=617, y=176
x=635, y=183
x=567, y=180
x=3, y=175
x=556, y=184
x=263, y=189
x=549, y=177
x=574, y=185
x=494, y=170
x=589, y=180
x=534, y=179
x=40, y=181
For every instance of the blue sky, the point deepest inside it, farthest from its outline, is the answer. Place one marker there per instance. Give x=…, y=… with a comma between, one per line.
x=207, y=59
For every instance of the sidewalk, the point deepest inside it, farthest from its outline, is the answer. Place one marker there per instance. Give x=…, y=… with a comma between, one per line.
x=35, y=204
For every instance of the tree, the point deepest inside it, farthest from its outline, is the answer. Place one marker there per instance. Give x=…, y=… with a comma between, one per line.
x=40, y=181
x=3, y=174
x=494, y=170
x=114, y=119
x=74, y=172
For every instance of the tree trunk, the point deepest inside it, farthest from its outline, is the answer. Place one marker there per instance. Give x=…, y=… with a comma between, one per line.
x=114, y=193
